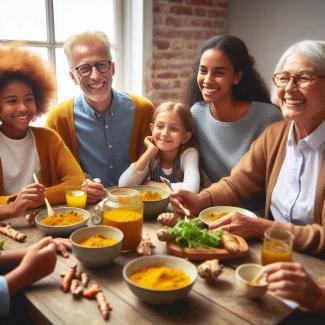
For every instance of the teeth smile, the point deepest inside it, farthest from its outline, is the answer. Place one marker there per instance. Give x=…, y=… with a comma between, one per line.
x=294, y=101
x=97, y=86
x=209, y=91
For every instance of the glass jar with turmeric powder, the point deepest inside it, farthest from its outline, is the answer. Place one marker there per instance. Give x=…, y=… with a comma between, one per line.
x=124, y=210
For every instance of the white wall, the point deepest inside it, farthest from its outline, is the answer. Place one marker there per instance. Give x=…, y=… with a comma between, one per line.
x=268, y=27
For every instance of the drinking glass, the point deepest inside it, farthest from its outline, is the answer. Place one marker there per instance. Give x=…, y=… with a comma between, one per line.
x=76, y=196
x=277, y=246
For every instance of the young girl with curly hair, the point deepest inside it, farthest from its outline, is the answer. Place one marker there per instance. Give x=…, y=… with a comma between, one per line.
x=27, y=86
x=170, y=152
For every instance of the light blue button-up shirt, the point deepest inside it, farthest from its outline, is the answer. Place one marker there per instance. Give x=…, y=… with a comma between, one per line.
x=293, y=197
x=4, y=297
x=104, y=139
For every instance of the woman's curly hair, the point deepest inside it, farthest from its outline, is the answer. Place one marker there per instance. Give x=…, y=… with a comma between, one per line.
x=19, y=64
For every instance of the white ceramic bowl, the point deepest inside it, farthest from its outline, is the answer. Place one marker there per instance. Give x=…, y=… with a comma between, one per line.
x=152, y=296
x=246, y=273
x=95, y=257
x=61, y=230
x=204, y=214
x=153, y=208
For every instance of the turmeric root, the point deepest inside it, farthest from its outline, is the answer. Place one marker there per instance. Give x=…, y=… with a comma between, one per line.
x=103, y=305
x=146, y=247
x=92, y=291
x=231, y=243
x=168, y=219
x=30, y=217
x=84, y=279
x=76, y=288
x=68, y=277
x=164, y=234
x=210, y=270
x=12, y=233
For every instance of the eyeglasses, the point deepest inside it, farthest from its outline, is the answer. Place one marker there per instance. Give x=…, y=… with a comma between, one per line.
x=302, y=80
x=85, y=70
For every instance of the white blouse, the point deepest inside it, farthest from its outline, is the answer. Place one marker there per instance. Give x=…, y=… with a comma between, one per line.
x=293, y=197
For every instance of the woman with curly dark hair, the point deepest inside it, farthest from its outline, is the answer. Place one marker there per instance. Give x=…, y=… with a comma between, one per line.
x=229, y=104
x=27, y=86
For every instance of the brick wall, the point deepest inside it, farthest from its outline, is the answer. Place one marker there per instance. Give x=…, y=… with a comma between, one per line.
x=179, y=29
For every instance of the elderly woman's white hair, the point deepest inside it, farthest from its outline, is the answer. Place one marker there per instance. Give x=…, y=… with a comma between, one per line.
x=314, y=51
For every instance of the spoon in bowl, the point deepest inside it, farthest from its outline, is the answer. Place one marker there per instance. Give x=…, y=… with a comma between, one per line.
x=186, y=211
x=50, y=211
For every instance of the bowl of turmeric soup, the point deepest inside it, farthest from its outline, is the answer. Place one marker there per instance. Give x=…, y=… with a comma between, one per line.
x=209, y=215
x=64, y=221
x=155, y=199
x=96, y=246
x=160, y=279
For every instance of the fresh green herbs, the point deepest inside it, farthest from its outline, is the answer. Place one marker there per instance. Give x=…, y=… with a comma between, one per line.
x=2, y=242
x=191, y=234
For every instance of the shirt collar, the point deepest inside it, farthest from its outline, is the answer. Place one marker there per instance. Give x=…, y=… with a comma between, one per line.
x=313, y=140
x=95, y=115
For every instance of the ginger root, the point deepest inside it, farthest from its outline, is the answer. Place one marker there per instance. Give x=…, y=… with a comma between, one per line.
x=84, y=279
x=68, y=277
x=30, y=217
x=76, y=288
x=103, y=305
x=12, y=233
x=168, y=219
x=92, y=291
x=210, y=270
x=146, y=247
x=164, y=234
x=231, y=243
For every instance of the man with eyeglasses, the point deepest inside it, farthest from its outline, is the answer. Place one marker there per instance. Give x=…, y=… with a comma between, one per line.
x=103, y=127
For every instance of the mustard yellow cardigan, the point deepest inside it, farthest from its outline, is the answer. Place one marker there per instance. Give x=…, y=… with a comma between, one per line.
x=61, y=119
x=258, y=170
x=58, y=167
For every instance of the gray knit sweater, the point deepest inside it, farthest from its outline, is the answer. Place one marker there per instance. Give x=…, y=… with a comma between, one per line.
x=222, y=144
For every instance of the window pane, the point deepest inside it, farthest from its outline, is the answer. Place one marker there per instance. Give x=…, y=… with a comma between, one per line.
x=23, y=20
x=74, y=16
x=66, y=87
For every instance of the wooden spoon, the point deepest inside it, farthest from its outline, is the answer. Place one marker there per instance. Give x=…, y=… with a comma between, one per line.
x=258, y=278
x=50, y=211
x=185, y=210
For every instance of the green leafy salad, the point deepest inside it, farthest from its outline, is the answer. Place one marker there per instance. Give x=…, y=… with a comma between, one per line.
x=2, y=242
x=191, y=234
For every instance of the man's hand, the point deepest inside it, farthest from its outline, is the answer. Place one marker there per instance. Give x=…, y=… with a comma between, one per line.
x=95, y=190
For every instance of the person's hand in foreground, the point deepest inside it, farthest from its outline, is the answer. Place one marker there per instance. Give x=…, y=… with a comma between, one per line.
x=95, y=190
x=291, y=281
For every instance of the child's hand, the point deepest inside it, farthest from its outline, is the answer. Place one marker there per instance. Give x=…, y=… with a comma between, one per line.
x=63, y=246
x=39, y=261
x=148, y=142
x=95, y=190
x=31, y=196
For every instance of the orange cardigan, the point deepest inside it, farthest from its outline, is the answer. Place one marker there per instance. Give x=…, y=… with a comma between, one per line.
x=61, y=119
x=58, y=167
x=258, y=170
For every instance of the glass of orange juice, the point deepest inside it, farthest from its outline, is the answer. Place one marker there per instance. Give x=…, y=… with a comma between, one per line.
x=76, y=196
x=277, y=246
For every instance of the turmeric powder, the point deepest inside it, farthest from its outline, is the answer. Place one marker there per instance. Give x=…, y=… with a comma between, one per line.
x=150, y=196
x=160, y=277
x=98, y=241
x=63, y=219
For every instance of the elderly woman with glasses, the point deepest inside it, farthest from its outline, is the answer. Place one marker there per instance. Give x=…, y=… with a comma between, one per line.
x=287, y=160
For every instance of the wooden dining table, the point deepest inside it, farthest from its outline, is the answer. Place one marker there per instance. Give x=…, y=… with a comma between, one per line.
x=220, y=302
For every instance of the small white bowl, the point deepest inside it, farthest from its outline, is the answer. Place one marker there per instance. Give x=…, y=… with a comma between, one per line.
x=152, y=296
x=219, y=209
x=246, y=273
x=96, y=257
x=153, y=208
x=61, y=230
